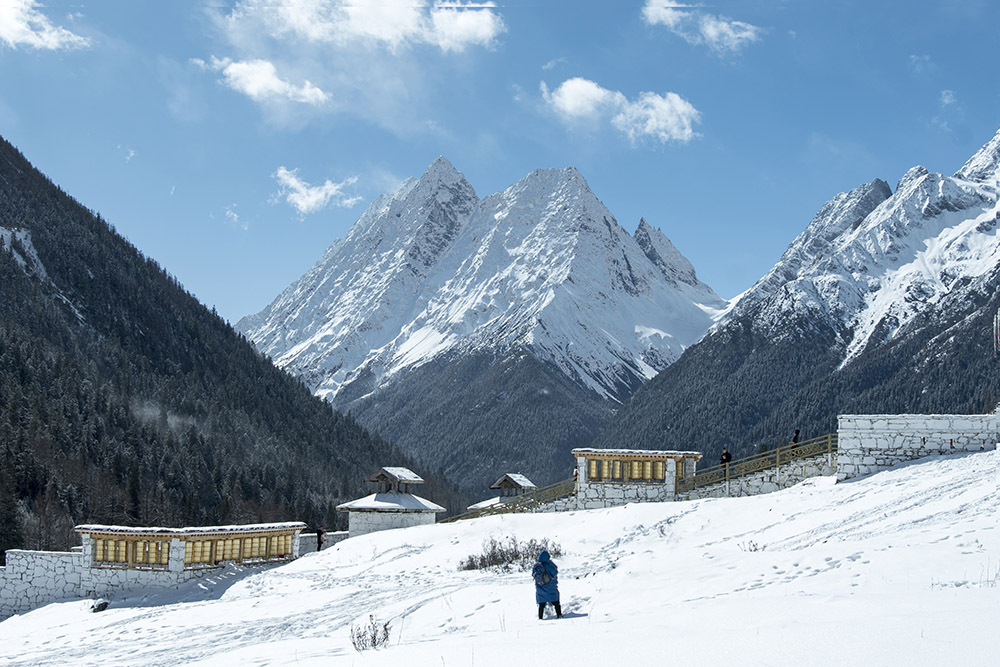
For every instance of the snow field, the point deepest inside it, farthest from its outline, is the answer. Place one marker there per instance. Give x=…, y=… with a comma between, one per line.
x=899, y=568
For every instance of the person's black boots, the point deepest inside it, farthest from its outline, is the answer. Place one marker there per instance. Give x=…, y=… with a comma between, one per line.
x=558, y=609
x=541, y=611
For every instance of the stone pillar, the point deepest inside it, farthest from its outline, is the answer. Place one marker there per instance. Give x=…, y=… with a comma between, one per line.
x=88, y=549
x=296, y=537
x=175, y=559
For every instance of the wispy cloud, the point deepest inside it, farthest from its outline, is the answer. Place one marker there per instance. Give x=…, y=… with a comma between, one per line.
x=552, y=63
x=721, y=34
x=922, y=64
x=306, y=198
x=234, y=218
x=22, y=24
x=950, y=111
x=662, y=118
x=129, y=153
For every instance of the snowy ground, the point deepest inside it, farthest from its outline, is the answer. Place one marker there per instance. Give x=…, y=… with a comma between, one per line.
x=900, y=568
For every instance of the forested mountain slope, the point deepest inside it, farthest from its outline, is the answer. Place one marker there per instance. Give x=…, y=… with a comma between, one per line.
x=124, y=400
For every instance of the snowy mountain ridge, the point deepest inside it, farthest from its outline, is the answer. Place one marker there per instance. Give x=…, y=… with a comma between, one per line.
x=872, y=260
x=542, y=266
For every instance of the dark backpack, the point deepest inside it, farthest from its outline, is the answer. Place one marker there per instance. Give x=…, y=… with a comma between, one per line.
x=543, y=577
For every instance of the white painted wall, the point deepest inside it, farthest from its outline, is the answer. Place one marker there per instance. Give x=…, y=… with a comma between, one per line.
x=362, y=522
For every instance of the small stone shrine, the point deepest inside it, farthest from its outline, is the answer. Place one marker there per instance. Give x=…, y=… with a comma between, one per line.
x=392, y=506
x=610, y=477
x=511, y=485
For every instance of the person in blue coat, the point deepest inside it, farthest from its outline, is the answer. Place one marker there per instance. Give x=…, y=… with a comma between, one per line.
x=546, y=576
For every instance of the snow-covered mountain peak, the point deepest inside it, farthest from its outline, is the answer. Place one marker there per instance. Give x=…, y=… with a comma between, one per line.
x=542, y=266
x=984, y=166
x=441, y=172
x=872, y=260
x=842, y=214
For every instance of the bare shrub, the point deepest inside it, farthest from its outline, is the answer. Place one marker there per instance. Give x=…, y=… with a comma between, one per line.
x=508, y=554
x=371, y=635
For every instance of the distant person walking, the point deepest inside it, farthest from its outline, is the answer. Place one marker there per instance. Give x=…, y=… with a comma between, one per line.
x=320, y=539
x=546, y=576
x=725, y=458
x=795, y=439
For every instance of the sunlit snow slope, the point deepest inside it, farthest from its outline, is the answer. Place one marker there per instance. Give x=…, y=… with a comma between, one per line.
x=900, y=568
x=542, y=266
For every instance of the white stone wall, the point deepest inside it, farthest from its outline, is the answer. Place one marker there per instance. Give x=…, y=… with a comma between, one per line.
x=869, y=443
x=596, y=495
x=109, y=581
x=362, y=522
x=765, y=481
x=33, y=578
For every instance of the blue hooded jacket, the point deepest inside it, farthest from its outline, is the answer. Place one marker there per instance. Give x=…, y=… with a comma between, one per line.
x=550, y=591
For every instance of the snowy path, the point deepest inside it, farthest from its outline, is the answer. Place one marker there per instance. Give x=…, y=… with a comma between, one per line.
x=899, y=568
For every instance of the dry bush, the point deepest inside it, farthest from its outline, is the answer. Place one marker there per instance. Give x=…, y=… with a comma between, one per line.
x=508, y=554
x=371, y=635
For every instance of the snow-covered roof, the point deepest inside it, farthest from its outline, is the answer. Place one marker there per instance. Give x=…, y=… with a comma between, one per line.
x=517, y=479
x=396, y=474
x=390, y=501
x=188, y=530
x=484, y=504
x=664, y=453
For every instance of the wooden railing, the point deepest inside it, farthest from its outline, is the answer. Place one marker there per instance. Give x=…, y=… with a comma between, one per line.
x=522, y=503
x=825, y=444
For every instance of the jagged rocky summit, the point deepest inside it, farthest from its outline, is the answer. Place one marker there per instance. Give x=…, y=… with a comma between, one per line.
x=540, y=273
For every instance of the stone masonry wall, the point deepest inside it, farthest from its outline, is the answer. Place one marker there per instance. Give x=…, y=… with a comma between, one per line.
x=869, y=443
x=596, y=495
x=34, y=578
x=766, y=481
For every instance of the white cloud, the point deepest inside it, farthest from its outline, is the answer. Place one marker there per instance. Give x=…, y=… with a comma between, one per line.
x=719, y=33
x=581, y=99
x=662, y=118
x=384, y=61
x=666, y=118
x=306, y=198
x=948, y=98
x=22, y=24
x=259, y=80
x=395, y=24
x=455, y=26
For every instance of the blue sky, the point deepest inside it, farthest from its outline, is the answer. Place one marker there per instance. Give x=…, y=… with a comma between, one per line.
x=234, y=141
